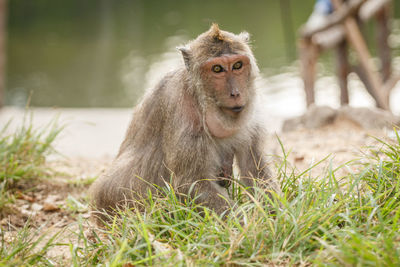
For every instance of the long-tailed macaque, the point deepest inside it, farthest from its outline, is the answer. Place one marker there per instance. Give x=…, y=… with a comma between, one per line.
x=190, y=127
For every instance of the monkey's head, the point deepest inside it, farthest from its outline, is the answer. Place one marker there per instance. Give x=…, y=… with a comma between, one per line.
x=223, y=69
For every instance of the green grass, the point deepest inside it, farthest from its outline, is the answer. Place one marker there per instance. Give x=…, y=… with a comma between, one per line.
x=23, y=154
x=329, y=220
x=352, y=221
x=28, y=247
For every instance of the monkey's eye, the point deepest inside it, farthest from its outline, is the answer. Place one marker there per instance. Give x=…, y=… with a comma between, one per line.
x=237, y=65
x=217, y=68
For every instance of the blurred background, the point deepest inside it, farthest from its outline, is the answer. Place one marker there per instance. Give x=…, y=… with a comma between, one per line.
x=105, y=53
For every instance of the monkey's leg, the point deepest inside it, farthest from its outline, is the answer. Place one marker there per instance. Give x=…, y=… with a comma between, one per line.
x=118, y=187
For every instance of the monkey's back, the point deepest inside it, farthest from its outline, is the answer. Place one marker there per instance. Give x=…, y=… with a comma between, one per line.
x=142, y=161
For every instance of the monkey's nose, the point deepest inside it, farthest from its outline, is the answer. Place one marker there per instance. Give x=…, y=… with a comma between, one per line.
x=235, y=94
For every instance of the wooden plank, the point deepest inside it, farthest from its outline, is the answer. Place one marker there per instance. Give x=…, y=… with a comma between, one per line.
x=329, y=38
x=333, y=19
x=371, y=8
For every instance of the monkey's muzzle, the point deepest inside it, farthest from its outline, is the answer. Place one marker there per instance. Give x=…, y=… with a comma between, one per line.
x=233, y=111
x=237, y=109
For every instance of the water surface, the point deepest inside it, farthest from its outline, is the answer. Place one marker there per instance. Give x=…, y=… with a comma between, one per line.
x=105, y=53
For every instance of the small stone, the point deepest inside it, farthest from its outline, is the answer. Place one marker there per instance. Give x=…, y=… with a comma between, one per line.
x=36, y=207
x=86, y=215
x=299, y=158
x=50, y=207
x=369, y=118
x=52, y=198
x=314, y=118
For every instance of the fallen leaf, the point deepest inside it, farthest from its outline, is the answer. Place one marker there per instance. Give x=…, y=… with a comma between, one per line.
x=21, y=195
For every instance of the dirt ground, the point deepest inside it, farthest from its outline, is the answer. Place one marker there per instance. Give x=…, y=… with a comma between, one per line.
x=55, y=204
x=341, y=143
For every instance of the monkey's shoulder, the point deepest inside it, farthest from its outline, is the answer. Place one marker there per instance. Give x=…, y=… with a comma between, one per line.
x=171, y=81
x=156, y=98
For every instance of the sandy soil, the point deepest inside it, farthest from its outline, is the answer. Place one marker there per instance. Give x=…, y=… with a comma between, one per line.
x=341, y=143
x=54, y=205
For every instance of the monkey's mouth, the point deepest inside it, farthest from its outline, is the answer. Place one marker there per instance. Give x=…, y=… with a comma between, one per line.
x=233, y=110
x=237, y=109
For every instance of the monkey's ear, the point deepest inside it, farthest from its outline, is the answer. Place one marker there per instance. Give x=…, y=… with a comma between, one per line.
x=245, y=36
x=186, y=54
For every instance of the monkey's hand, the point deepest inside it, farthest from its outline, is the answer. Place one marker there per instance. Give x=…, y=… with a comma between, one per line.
x=207, y=192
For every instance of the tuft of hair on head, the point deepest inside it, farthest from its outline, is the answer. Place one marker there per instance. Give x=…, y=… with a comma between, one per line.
x=216, y=33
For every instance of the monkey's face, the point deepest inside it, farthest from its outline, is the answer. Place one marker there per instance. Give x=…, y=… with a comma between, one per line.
x=227, y=82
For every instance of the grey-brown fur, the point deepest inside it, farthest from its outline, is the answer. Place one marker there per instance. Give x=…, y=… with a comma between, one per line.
x=168, y=139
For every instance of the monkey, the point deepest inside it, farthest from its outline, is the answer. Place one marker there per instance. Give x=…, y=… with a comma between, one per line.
x=188, y=130
x=225, y=176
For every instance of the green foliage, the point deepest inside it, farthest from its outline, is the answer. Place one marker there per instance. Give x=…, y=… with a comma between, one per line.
x=76, y=206
x=82, y=182
x=28, y=247
x=23, y=154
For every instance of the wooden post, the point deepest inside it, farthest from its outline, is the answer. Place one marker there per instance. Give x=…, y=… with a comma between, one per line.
x=356, y=39
x=2, y=50
x=383, y=32
x=354, y=35
x=363, y=78
x=308, y=57
x=342, y=70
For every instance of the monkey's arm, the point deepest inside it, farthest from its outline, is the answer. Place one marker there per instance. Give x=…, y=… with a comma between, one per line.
x=194, y=171
x=253, y=167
